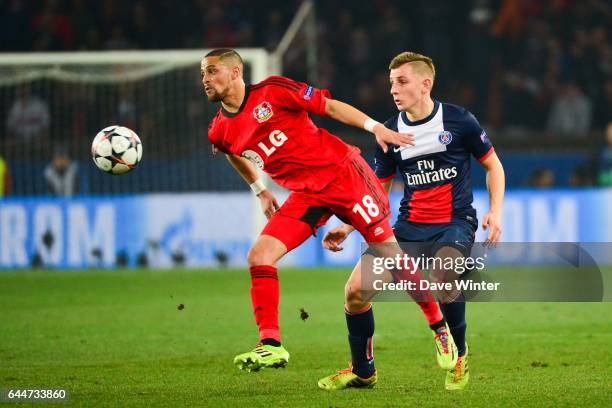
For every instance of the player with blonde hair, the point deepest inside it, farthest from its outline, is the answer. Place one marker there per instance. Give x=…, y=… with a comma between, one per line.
x=436, y=210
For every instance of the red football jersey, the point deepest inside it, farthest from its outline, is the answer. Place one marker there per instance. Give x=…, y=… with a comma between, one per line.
x=273, y=130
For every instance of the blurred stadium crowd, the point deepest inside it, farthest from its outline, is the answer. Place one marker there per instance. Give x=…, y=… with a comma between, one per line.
x=537, y=73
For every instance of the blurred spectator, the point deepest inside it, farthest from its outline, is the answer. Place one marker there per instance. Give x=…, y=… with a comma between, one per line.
x=478, y=48
x=507, y=58
x=580, y=177
x=531, y=68
x=52, y=29
x=542, y=178
x=273, y=30
x=218, y=31
x=392, y=33
x=28, y=118
x=14, y=17
x=83, y=21
x=145, y=36
x=604, y=162
x=62, y=174
x=511, y=19
x=360, y=50
x=93, y=40
x=603, y=107
x=118, y=39
x=5, y=178
x=570, y=115
x=126, y=107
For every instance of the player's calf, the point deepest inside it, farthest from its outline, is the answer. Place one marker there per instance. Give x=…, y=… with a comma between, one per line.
x=360, y=325
x=265, y=292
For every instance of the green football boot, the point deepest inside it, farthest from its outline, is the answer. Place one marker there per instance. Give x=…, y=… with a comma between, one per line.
x=458, y=377
x=262, y=356
x=346, y=379
x=446, y=350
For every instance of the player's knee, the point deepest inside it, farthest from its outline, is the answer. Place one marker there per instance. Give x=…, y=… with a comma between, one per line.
x=440, y=276
x=437, y=275
x=353, y=299
x=258, y=255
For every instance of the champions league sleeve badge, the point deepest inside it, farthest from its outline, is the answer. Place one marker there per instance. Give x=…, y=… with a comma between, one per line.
x=483, y=137
x=308, y=93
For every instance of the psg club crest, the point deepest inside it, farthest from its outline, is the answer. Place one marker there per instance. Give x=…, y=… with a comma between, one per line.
x=445, y=137
x=263, y=112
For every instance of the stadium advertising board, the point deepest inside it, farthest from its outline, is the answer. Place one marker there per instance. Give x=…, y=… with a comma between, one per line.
x=157, y=230
x=209, y=229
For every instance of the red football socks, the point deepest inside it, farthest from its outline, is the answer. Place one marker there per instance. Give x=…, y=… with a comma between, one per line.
x=432, y=312
x=264, y=296
x=424, y=298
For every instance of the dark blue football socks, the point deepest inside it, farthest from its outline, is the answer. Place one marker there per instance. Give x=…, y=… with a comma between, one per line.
x=361, y=329
x=454, y=313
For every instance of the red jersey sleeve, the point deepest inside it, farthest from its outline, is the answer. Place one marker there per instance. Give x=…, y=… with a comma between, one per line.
x=297, y=95
x=215, y=136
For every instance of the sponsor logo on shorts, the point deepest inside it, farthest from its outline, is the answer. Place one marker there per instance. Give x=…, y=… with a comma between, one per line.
x=308, y=93
x=263, y=112
x=378, y=231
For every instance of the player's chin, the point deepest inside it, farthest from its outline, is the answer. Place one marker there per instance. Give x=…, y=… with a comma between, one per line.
x=213, y=97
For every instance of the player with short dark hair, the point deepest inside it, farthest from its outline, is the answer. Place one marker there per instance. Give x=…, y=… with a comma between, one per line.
x=436, y=210
x=267, y=124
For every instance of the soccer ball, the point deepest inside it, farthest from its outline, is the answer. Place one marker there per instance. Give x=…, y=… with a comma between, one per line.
x=116, y=150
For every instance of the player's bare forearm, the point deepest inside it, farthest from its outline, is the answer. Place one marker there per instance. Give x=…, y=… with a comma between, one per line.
x=349, y=115
x=496, y=182
x=248, y=172
x=244, y=167
x=345, y=113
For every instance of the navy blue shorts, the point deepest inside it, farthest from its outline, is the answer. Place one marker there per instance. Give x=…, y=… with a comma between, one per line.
x=427, y=239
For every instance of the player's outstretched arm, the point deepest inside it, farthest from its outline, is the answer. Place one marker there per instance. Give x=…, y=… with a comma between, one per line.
x=248, y=172
x=496, y=185
x=349, y=115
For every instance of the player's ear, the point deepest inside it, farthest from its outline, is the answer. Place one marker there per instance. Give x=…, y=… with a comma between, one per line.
x=427, y=84
x=236, y=72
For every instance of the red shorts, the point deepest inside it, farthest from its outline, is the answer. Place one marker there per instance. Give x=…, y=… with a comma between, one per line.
x=355, y=196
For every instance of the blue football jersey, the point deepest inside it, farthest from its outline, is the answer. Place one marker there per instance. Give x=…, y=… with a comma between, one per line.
x=436, y=170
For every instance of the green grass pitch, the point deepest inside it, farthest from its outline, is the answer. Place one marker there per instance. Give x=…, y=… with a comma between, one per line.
x=119, y=339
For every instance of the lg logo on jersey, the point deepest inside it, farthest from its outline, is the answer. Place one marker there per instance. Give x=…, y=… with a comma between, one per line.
x=276, y=139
